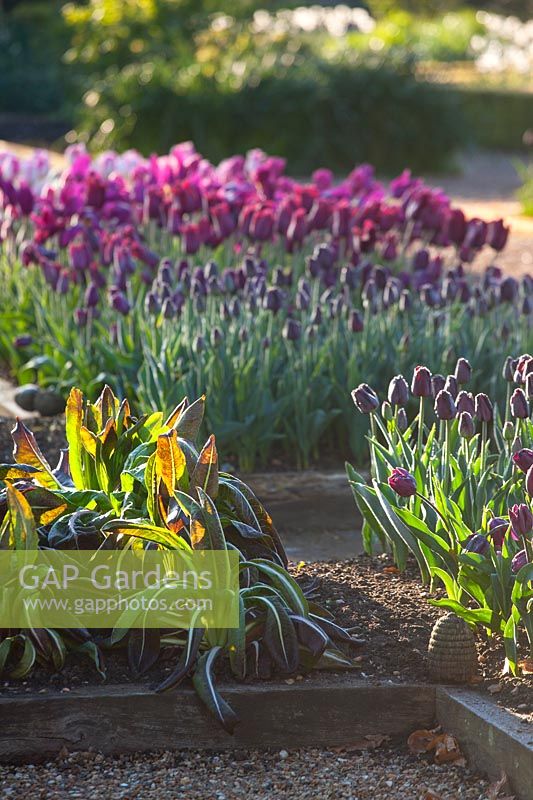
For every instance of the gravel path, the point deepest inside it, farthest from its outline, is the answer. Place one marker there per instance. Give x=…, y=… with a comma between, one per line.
x=255, y=775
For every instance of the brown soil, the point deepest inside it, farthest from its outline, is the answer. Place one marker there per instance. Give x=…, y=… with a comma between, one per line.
x=390, y=611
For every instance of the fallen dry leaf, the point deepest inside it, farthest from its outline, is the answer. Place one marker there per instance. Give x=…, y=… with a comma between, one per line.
x=421, y=741
x=391, y=570
x=495, y=788
x=447, y=750
x=526, y=666
x=430, y=795
x=494, y=688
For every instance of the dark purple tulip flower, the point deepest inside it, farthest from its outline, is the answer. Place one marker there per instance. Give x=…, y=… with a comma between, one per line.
x=508, y=290
x=451, y=386
x=398, y=393
x=401, y=420
x=421, y=383
x=519, y=405
x=520, y=560
x=120, y=303
x=22, y=341
x=438, y=382
x=355, y=321
x=292, y=330
x=402, y=482
x=217, y=337
x=198, y=344
x=168, y=309
x=273, y=300
x=521, y=518
x=463, y=371
x=445, y=405
x=152, y=304
x=483, y=408
x=365, y=398
x=498, y=528
x=81, y=315
x=91, y=296
x=477, y=543
x=523, y=459
x=466, y=425
x=465, y=402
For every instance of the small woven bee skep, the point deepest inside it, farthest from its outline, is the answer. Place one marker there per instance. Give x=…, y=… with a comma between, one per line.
x=452, y=655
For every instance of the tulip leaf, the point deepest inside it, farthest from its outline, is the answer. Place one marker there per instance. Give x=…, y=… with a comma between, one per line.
x=22, y=522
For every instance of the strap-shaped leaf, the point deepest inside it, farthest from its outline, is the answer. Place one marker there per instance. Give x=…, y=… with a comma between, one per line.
x=151, y=533
x=169, y=460
x=205, y=474
x=284, y=585
x=207, y=692
x=73, y=423
x=27, y=451
x=22, y=522
x=144, y=647
x=310, y=635
x=186, y=661
x=190, y=420
x=280, y=635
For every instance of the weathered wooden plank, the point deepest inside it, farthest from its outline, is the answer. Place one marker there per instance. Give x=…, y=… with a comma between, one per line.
x=492, y=738
x=132, y=718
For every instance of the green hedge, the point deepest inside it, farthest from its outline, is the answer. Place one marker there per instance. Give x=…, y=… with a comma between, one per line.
x=334, y=115
x=495, y=119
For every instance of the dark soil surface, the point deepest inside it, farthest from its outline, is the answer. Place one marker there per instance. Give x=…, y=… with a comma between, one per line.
x=390, y=611
x=49, y=433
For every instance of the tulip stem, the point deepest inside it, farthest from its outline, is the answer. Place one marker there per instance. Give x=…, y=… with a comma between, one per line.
x=483, y=445
x=446, y=456
x=420, y=427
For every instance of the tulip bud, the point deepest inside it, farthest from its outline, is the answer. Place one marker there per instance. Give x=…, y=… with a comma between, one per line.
x=198, y=344
x=519, y=561
x=508, y=369
x=463, y=371
x=451, y=386
x=386, y=411
x=402, y=482
x=519, y=406
x=498, y=527
x=444, y=405
x=401, y=420
x=465, y=402
x=466, y=425
x=483, y=408
x=421, y=383
x=292, y=330
x=273, y=300
x=521, y=516
x=405, y=302
x=22, y=341
x=516, y=445
x=508, y=431
x=438, y=383
x=168, y=309
x=217, y=337
x=529, y=386
x=477, y=543
x=81, y=316
x=523, y=458
x=355, y=321
x=365, y=399
x=243, y=334
x=398, y=393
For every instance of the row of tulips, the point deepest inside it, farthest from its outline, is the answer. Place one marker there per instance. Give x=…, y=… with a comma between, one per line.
x=453, y=488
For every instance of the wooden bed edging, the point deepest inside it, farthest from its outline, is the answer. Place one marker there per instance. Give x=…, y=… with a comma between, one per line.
x=129, y=718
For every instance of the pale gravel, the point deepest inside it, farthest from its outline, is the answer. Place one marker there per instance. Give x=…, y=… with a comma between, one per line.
x=307, y=774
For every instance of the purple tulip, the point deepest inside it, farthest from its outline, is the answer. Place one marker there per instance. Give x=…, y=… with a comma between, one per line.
x=451, y=386
x=519, y=405
x=273, y=300
x=509, y=290
x=477, y=543
x=402, y=482
x=292, y=330
x=483, y=408
x=520, y=560
x=444, y=405
x=438, y=382
x=523, y=459
x=465, y=402
x=521, y=519
x=497, y=234
x=463, y=371
x=355, y=321
x=365, y=399
x=498, y=528
x=81, y=315
x=22, y=341
x=120, y=303
x=466, y=425
x=401, y=420
x=421, y=383
x=398, y=393
x=91, y=296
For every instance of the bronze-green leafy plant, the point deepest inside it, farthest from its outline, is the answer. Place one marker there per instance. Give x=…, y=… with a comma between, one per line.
x=127, y=481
